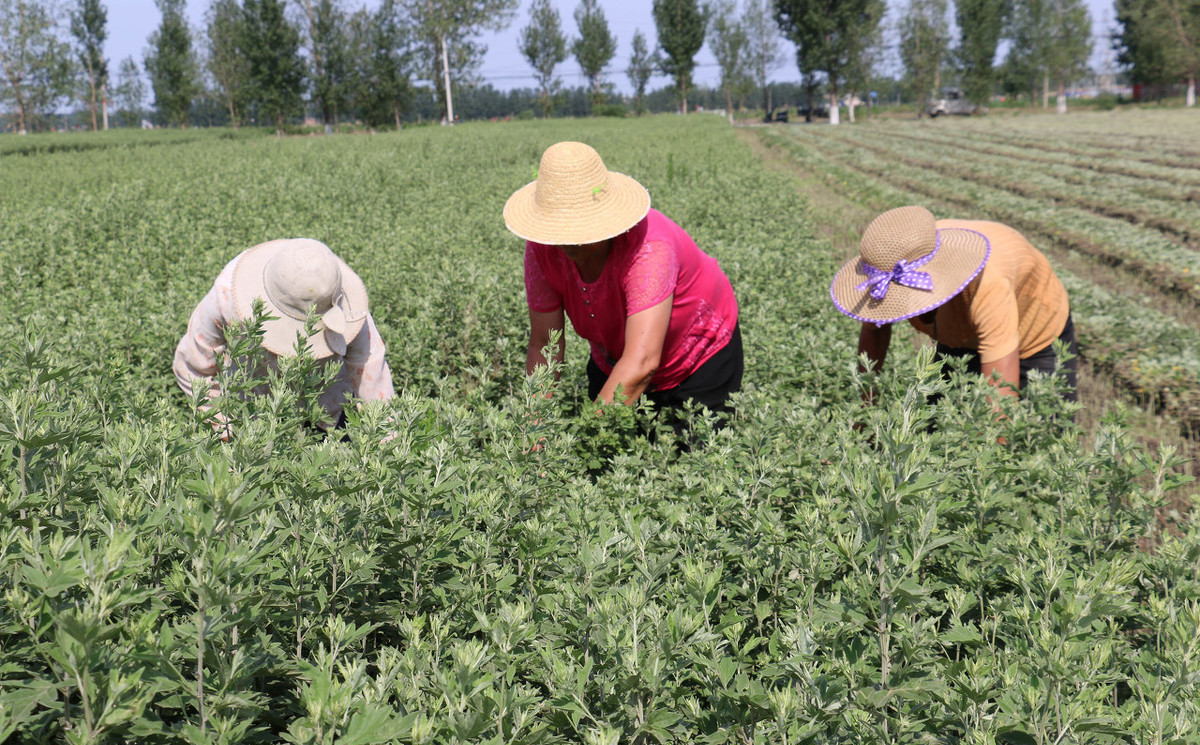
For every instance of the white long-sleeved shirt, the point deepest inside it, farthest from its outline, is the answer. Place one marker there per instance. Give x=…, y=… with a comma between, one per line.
x=364, y=373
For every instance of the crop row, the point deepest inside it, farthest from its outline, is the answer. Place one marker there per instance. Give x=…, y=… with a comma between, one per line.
x=1156, y=356
x=1138, y=200
x=1120, y=129
x=1179, y=181
x=1093, y=149
x=1145, y=252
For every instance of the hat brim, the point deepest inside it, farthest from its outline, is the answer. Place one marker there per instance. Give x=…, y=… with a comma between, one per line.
x=625, y=204
x=961, y=256
x=279, y=334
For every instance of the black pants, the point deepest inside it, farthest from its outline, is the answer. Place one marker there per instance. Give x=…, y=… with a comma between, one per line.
x=710, y=384
x=1044, y=360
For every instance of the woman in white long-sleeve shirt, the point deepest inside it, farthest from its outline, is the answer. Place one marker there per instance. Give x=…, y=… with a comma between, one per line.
x=291, y=277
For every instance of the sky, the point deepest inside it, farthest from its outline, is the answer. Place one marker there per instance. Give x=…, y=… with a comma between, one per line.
x=130, y=23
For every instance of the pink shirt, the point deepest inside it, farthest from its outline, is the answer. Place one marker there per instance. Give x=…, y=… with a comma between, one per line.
x=652, y=261
x=364, y=372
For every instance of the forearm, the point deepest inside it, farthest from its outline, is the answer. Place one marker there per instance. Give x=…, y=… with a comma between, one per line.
x=874, y=342
x=534, y=356
x=632, y=375
x=1004, y=374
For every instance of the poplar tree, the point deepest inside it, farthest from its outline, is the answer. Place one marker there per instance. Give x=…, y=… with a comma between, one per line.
x=225, y=61
x=681, y=28
x=762, y=45
x=642, y=64
x=1067, y=55
x=1160, y=41
x=171, y=64
x=1050, y=41
x=35, y=64
x=444, y=39
x=924, y=47
x=544, y=46
x=130, y=93
x=88, y=23
x=384, y=64
x=728, y=40
x=595, y=46
x=272, y=51
x=832, y=37
x=1139, y=48
x=323, y=24
x=980, y=23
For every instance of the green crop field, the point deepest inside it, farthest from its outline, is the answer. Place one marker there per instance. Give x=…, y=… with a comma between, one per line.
x=792, y=579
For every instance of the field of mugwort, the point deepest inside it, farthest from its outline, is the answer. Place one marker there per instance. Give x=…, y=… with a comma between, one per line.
x=791, y=579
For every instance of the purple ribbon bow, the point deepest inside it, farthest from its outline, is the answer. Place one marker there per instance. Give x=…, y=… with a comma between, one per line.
x=879, y=280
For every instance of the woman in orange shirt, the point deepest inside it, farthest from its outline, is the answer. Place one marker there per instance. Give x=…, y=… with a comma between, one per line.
x=977, y=288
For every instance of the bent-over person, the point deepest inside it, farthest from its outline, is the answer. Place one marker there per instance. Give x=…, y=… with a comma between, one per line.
x=977, y=288
x=659, y=314
x=291, y=277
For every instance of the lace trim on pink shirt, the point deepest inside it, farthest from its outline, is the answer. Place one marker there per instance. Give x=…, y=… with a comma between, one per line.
x=651, y=277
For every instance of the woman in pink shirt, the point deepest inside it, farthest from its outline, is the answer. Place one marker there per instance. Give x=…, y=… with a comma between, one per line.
x=659, y=313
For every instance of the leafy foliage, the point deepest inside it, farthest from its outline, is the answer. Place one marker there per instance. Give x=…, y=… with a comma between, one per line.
x=436, y=578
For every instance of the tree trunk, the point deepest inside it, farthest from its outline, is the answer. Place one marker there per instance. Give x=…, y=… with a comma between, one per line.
x=104, y=105
x=396, y=113
x=232, y=112
x=446, y=76
x=1046, y=89
x=850, y=106
x=92, y=89
x=834, y=118
x=683, y=90
x=1191, y=90
x=1061, y=106
x=729, y=104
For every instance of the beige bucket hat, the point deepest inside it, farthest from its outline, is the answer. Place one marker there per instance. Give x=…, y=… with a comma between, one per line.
x=575, y=200
x=907, y=266
x=292, y=276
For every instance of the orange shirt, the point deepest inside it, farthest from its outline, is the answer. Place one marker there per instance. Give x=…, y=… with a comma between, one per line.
x=1015, y=303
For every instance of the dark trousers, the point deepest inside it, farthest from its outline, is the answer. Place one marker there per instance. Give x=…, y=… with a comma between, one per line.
x=1044, y=360
x=710, y=384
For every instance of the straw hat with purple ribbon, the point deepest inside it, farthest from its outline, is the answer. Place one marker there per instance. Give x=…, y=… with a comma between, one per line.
x=295, y=275
x=907, y=266
x=575, y=200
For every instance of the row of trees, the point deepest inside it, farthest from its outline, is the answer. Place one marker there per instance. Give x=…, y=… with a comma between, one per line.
x=267, y=60
x=1160, y=41
x=46, y=63
x=263, y=65
x=838, y=43
x=1050, y=42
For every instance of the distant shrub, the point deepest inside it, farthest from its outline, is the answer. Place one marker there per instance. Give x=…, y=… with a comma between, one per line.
x=618, y=110
x=1106, y=102
x=525, y=115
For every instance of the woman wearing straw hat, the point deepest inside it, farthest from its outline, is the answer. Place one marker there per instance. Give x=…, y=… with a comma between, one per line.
x=659, y=313
x=978, y=288
x=291, y=277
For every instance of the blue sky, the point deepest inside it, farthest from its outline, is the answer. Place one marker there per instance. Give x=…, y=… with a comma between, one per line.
x=130, y=23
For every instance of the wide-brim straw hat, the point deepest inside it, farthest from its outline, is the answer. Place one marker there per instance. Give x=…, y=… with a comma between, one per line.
x=291, y=277
x=575, y=200
x=907, y=266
